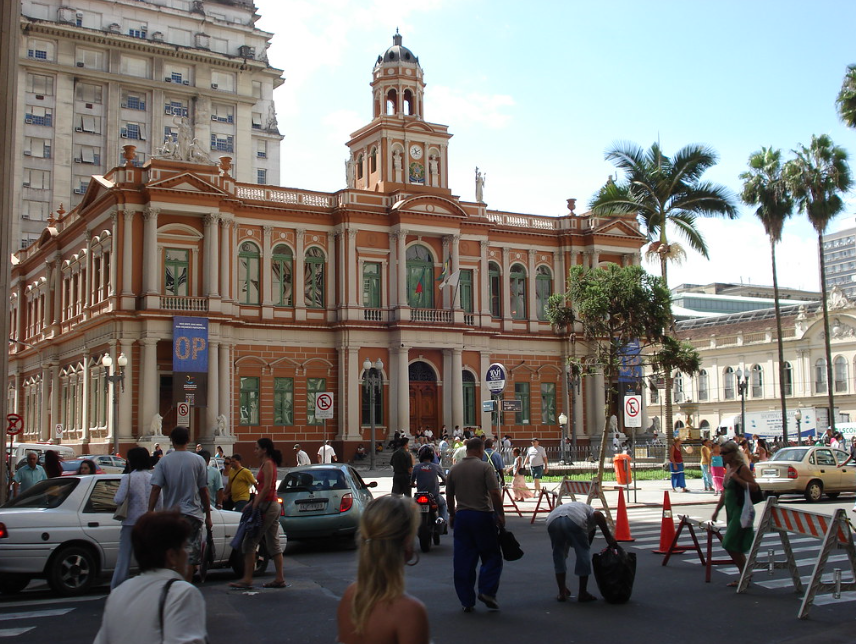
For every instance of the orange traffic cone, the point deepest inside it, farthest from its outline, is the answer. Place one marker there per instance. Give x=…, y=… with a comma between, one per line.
x=667, y=529
x=622, y=527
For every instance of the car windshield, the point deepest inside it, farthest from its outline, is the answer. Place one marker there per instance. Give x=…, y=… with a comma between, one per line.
x=45, y=494
x=313, y=480
x=790, y=455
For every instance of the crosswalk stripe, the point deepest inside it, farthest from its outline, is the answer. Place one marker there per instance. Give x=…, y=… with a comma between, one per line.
x=14, y=632
x=35, y=614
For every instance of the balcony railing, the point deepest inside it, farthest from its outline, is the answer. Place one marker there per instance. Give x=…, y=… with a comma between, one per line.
x=432, y=316
x=179, y=303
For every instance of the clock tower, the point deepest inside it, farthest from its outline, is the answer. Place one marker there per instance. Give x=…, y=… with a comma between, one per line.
x=398, y=149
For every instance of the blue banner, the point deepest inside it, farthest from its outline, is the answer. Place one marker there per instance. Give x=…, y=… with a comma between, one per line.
x=190, y=344
x=631, y=362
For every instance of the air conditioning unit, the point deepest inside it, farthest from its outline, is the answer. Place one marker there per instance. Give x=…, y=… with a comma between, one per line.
x=40, y=97
x=157, y=36
x=214, y=117
x=187, y=82
x=79, y=14
x=167, y=79
x=26, y=184
x=124, y=134
x=124, y=105
x=115, y=27
x=214, y=86
x=79, y=191
x=89, y=106
x=79, y=63
x=78, y=129
x=28, y=119
x=27, y=153
x=25, y=216
x=247, y=52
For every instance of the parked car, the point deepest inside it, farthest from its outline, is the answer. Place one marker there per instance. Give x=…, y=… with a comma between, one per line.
x=63, y=530
x=72, y=466
x=110, y=464
x=323, y=501
x=809, y=470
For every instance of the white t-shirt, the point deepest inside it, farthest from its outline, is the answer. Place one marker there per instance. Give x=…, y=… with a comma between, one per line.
x=579, y=513
x=326, y=452
x=537, y=456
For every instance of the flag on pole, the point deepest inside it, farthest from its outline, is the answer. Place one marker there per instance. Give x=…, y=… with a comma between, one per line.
x=444, y=272
x=452, y=280
x=419, y=288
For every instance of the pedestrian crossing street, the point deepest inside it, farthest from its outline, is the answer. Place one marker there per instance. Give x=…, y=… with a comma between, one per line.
x=18, y=618
x=645, y=524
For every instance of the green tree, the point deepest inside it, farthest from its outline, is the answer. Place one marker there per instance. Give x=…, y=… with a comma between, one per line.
x=817, y=177
x=846, y=100
x=764, y=186
x=665, y=192
x=613, y=305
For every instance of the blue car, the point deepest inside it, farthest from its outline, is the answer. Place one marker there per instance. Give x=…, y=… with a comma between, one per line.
x=323, y=501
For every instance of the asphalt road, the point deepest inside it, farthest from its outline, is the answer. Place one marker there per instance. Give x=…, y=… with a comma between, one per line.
x=669, y=604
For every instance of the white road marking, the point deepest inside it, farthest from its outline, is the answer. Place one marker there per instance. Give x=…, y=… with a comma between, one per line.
x=35, y=614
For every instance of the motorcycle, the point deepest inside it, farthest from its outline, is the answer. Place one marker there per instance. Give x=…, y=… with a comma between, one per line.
x=431, y=526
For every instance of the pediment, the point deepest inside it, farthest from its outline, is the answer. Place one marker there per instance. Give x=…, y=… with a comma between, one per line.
x=186, y=182
x=98, y=185
x=429, y=205
x=616, y=227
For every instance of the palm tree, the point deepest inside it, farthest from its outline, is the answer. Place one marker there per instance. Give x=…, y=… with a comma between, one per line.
x=846, y=100
x=665, y=192
x=765, y=187
x=817, y=177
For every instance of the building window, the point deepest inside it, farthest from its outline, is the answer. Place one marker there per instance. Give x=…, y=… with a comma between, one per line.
x=136, y=29
x=249, y=401
x=88, y=92
x=40, y=84
x=176, y=271
x=261, y=149
x=261, y=176
x=134, y=101
x=282, y=282
x=283, y=401
x=248, y=273
x=178, y=74
x=517, y=291
x=495, y=284
x=465, y=288
x=703, y=385
x=40, y=50
x=223, y=81
x=728, y=383
x=543, y=290
x=135, y=131
x=420, y=277
x=88, y=124
x=314, y=386
x=470, y=400
x=175, y=108
x=678, y=388
x=313, y=278
x=37, y=179
x=839, y=367
x=757, y=381
x=222, y=113
x=653, y=393
x=548, y=403
x=35, y=210
x=130, y=66
x=820, y=376
x=89, y=59
x=80, y=185
x=257, y=89
x=371, y=285
x=222, y=142
x=257, y=120
x=789, y=379
x=36, y=115
x=37, y=148
x=521, y=393
x=373, y=160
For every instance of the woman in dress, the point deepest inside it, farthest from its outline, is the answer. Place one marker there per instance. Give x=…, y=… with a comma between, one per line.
x=157, y=605
x=267, y=502
x=738, y=477
x=136, y=486
x=518, y=484
x=676, y=466
x=375, y=609
x=717, y=467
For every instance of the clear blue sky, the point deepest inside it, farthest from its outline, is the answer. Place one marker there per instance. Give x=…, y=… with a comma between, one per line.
x=535, y=92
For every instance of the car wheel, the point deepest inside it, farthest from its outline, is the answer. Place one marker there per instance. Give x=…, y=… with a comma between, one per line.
x=813, y=491
x=72, y=571
x=13, y=584
x=833, y=495
x=236, y=562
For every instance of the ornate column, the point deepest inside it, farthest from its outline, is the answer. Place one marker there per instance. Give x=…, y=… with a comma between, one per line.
x=297, y=273
x=126, y=396
x=457, y=393
x=58, y=293
x=350, y=389
x=84, y=395
x=484, y=283
x=506, y=290
x=151, y=272
x=87, y=280
x=46, y=311
x=330, y=291
x=127, y=256
x=353, y=272
x=55, y=406
x=225, y=385
x=445, y=293
x=531, y=287
x=226, y=255
x=401, y=258
x=393, y=274
x=211, y=254
x=267, y=272
x=149, y=385
x=213, y=408
x=402, y=393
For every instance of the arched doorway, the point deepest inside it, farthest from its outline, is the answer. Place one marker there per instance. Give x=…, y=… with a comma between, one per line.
x=423, y=397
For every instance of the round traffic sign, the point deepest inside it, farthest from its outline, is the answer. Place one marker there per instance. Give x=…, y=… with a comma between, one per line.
x=632, y=406
x=324, y=401
x=495, y=378
x=14, y=424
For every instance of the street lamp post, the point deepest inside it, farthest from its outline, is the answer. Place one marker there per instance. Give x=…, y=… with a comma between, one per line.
x=116, y=378
x=742, y=388
x=372, y=380
x=563, y=423
x=798, y=418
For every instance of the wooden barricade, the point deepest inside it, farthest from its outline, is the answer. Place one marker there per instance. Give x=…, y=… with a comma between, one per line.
x=551, y=502
x=833, y=532
x=590, y=489
x=692, y=523
x=508, y=500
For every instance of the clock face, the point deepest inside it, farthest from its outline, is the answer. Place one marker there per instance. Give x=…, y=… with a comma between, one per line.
x=415, y=151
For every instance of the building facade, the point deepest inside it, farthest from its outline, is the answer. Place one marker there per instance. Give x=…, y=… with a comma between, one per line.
x=299, y=289
x=95, y=75
x=839, y=255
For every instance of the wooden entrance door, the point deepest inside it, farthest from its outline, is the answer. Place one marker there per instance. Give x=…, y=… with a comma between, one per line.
x=423, y=406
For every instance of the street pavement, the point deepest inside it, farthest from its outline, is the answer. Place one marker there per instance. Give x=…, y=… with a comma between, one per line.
x=670, y=604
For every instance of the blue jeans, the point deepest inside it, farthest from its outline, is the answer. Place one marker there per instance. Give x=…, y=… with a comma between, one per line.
x=476, y=538
x=564, y=533
x=706, y=476
x=123, y=560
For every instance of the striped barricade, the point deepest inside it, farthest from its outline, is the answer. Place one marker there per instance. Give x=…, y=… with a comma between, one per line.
x=591, y=489
x=712, y=530
x=832, y=531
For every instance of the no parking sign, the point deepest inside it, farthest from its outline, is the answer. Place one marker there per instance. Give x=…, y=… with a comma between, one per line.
x=324, y=405
x=633, y=411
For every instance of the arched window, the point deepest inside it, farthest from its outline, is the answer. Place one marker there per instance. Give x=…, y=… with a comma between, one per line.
x=789, y=379
x=176, y=271
x=313, y=278
x=360, y=168
x=757, y=381
x=281, y=276
x=420, y=277
x=371, y=285
x=543, y=290
x=728, y=383
x=517, y=291
x=703, y=383
x=408, y=102
x=840, y=374
x=678, y=387
x=373, y=160
x=820, y=376
x=391, y=102
x=495, y=285
x=248, y=273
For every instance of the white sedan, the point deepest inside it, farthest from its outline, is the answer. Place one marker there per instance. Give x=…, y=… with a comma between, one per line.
x=63, y=530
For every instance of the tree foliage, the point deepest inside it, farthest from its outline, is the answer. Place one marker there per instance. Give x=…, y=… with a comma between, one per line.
x=846, y=101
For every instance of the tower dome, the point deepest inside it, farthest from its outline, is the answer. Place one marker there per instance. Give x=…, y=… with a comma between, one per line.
x=397, y=54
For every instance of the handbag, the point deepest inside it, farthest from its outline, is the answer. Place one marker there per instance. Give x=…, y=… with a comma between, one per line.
x=511, y=550
x=747, y=515
x=615, y=571
x=121, y=512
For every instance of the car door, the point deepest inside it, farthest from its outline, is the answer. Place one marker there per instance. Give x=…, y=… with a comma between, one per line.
x=827, y=469
x=96, y=519
x=848, y=472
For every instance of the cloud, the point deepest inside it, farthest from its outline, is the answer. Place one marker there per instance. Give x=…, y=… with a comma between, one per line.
x=448, y=105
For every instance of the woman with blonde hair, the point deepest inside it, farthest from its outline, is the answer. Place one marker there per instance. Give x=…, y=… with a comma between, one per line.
x=738, y=478
x=375, y=609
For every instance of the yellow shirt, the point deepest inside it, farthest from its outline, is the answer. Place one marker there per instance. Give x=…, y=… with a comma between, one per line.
x=705, y=455
x=240, y=481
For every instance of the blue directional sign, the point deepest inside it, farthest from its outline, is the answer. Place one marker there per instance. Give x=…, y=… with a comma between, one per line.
x=495, y=378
